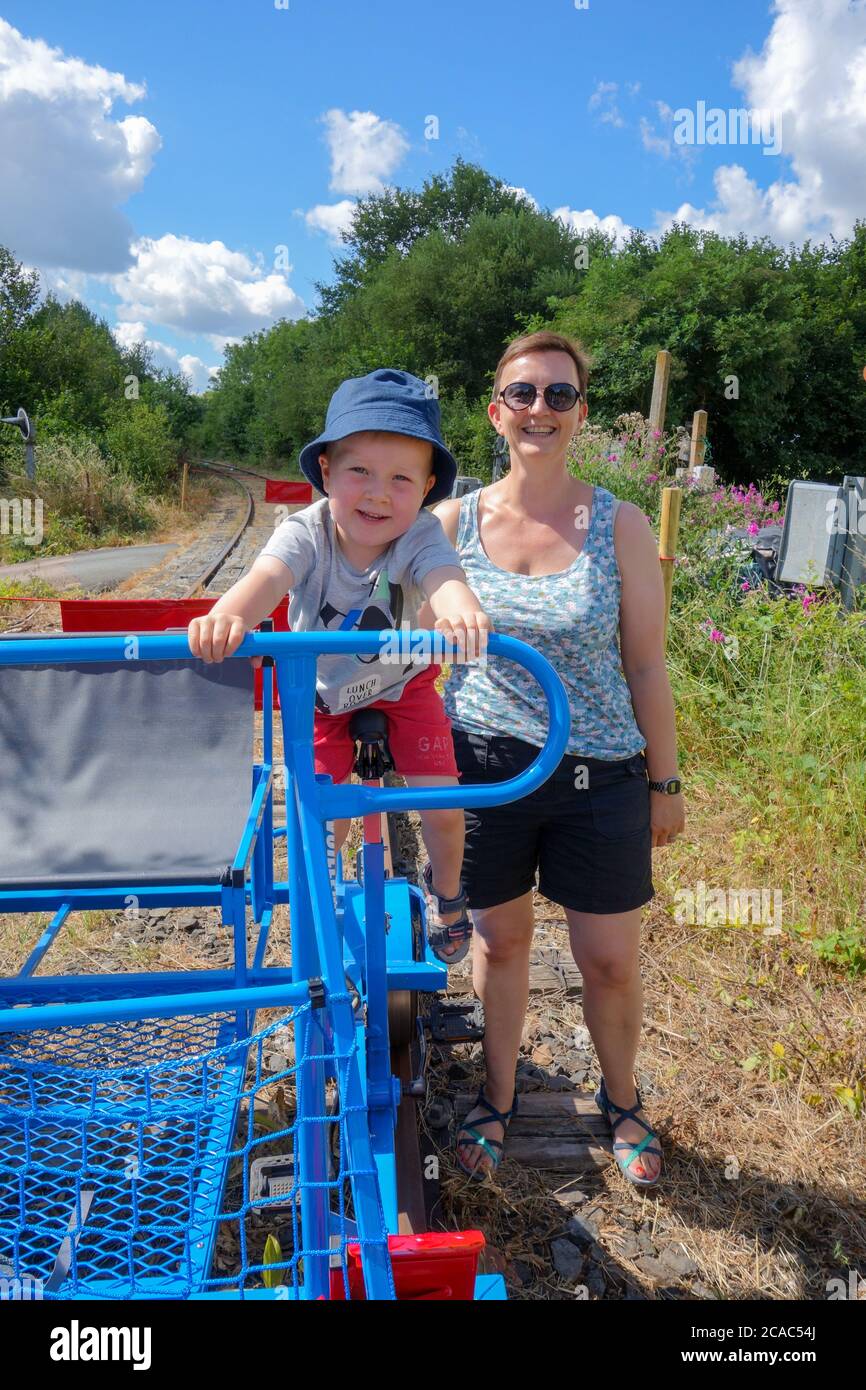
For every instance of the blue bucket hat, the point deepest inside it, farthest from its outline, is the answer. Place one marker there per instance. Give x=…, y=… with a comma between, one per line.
x=389, y=400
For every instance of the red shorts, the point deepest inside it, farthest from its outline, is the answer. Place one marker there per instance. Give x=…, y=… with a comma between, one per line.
x=419, y=734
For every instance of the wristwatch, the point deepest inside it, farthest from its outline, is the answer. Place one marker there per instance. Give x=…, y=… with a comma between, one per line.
x=671, y=786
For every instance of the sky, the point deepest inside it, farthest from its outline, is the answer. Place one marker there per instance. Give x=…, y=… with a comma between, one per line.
x=185, y=166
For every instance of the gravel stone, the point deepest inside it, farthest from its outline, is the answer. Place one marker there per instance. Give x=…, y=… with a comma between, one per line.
x=595, y=1281
x=568, y=1260
x=677, y=1263
x=583, y=1229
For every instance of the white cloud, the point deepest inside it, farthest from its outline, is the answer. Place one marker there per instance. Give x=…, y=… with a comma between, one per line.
x=202, y=287
x=522, y=194
x=65, y=162
x=603, y=100
x=585, y=221
x=331, y=218
x=656, y=144
x=128, y=334
x=811, y=74
x=165, y=356
x=365, y=150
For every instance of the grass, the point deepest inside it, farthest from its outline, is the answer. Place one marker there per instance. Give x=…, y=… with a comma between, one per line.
x=771, y=705
x=754, y=1041
x=84, y=503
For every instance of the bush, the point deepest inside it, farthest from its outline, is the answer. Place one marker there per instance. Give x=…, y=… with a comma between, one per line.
x=139, y=443
x=83, y=499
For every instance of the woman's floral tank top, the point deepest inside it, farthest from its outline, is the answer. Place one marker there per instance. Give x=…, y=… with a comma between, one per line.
x=572, y=618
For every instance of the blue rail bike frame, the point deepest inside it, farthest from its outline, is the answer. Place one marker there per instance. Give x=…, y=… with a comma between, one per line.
x=321, y=958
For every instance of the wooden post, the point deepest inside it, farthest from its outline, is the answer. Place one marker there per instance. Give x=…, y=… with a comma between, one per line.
x=659, y=404
x=183, y=482
x=669, y=530
x=699, y=439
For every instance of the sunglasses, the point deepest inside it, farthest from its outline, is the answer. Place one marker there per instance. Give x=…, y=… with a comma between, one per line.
x=560, y=395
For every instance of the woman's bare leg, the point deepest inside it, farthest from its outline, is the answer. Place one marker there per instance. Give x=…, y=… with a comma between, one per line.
x=606, y=948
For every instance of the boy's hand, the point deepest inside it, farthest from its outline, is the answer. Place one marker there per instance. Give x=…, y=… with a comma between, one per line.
x=468, y=628
x=216, y=636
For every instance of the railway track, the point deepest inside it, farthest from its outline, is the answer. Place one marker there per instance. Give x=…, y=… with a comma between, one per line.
x=212, y=564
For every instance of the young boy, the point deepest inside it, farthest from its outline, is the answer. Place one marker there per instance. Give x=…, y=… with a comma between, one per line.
x=365, y=558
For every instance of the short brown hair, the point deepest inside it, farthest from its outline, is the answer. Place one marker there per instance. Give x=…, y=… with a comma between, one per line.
x=545, y=341
x=330, y=446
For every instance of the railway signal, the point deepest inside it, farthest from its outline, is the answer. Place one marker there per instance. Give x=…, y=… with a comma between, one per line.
x=23, y=422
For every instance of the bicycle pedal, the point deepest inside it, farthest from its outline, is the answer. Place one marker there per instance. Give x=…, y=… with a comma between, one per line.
x=452, y=1022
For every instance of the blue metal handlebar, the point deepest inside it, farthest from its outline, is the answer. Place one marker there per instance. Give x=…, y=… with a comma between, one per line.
x=344, y=800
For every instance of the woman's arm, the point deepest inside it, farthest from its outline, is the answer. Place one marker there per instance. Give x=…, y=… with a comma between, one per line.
x=641, y=630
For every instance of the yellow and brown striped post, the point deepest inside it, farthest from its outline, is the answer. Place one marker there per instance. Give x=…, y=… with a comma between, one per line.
x=669, y=530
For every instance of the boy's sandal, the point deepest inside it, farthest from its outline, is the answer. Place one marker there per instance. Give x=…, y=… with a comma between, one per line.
x=492, y=1147
x=440, y=934
x=605, y=1105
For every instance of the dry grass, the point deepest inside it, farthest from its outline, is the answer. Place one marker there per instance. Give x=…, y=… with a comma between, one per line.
x=749, y=1056
x=753, y=1055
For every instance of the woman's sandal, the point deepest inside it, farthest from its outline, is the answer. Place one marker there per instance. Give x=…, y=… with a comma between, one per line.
x=440, y=934
x=492, y=1147
x=605, y=1105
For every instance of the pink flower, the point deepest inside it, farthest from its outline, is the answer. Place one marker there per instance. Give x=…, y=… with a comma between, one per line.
x=652, y=477
x=808, y=600
x=716, y=636
x=754, y=528
x=657, y=434
x=745, y=585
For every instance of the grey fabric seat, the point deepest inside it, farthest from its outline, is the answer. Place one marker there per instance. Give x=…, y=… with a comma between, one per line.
x=135, y=772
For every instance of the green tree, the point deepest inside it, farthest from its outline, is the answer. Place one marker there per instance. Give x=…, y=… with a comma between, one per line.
x=393, y=221
x=171, y=391
x=139, y=443
x=19, y=292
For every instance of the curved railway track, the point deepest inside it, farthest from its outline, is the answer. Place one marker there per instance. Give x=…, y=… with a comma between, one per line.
x=212, y=568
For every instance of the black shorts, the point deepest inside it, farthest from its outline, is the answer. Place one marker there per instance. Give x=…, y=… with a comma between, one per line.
x=585, y=835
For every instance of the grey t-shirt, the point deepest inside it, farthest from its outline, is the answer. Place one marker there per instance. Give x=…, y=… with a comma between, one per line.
x=330, y=594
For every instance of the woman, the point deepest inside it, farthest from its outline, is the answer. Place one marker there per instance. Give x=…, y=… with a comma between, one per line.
x=574, y=573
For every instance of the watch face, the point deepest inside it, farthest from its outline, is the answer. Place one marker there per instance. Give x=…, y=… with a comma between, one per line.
x=674, y=785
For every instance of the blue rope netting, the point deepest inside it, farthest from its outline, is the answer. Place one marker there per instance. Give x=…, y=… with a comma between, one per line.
x=126, y=1150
